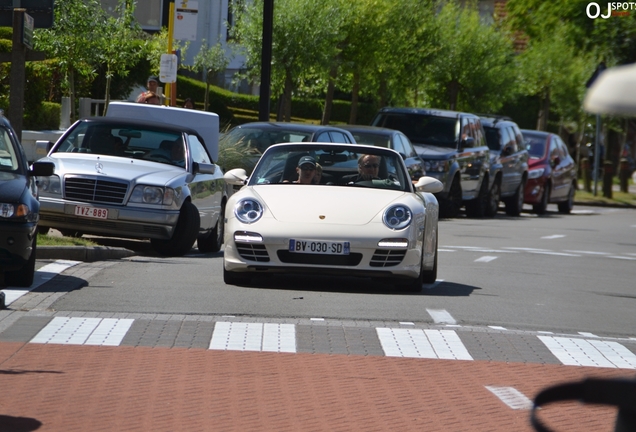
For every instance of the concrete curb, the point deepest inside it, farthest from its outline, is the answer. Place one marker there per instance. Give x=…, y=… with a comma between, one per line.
x=82, y=253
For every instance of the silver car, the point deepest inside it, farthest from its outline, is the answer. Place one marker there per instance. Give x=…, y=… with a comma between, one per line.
x=135, y=179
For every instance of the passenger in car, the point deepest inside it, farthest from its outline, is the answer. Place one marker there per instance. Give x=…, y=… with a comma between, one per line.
x=306, y=170
x=368, y=169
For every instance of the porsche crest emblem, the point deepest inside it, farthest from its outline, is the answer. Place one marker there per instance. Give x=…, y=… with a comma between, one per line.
x=321, y=217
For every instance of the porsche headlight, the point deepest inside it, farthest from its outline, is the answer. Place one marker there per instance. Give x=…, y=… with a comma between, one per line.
x=248, y=210
x=144, y=194
x=49, y=185
x=397, y=217
x=536, y=173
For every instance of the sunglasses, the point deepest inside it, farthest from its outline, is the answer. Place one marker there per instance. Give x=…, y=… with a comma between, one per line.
x=307, y=168
x=370, y=166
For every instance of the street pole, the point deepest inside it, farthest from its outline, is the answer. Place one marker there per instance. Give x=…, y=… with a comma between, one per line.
x=597, y=152
x=18, y=58
x=266, y=60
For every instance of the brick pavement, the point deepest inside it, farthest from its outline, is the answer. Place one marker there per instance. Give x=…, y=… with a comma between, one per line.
x=48, y=387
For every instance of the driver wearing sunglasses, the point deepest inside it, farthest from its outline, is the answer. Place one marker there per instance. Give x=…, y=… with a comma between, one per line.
x=368, y=169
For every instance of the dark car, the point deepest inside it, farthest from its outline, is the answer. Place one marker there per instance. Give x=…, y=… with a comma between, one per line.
x=552, y=172
x=19, y=208
x=453, y=147
x=393, y=139
x=508, y=164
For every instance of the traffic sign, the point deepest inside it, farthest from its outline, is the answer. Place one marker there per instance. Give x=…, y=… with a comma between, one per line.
x=168, y=68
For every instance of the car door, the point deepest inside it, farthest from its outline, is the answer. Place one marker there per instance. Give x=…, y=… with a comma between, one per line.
x=568, y=167
x=506, y=158
x=470, y=161
x=559, y=170
x=206, y=190
x=412, y=161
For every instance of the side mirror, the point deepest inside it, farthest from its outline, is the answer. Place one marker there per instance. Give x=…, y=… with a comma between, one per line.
x=203, y=168
x=42, y=169
x=42, y=148
x=429, y=184
x=236, y=176
x=468, y=142
x=555, y=161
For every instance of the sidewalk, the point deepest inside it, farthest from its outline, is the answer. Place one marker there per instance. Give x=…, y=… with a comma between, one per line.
x=84, y=388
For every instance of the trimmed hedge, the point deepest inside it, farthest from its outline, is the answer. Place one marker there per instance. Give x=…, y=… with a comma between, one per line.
x=231, y=106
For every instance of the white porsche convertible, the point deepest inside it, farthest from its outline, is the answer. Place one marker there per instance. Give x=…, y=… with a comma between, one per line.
x=341, y=209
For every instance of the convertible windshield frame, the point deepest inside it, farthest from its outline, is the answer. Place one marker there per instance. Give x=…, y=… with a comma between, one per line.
x=339, y=165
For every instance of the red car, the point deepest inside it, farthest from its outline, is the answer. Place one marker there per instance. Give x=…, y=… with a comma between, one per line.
x=551, y=172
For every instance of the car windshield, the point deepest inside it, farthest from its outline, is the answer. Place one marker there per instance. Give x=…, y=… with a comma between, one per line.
x=137, y=142
x=259, y=140
x=8, y=157
x=370, y=138
x=535, y=145
x=423, y=128
x=338, y=165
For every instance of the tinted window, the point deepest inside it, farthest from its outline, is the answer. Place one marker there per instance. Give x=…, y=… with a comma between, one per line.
x=260, y=139
x=8, y=156
x=371, y=139
x=408, y=147
x=198, y=151
x=339, y=137
x=492, y=138
x=536, y=146
x=422, y=128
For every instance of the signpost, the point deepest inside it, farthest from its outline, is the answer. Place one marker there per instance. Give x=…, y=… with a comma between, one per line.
x=185, y=23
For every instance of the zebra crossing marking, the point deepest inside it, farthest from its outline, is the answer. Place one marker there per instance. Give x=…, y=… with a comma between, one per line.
x=84, y=331
x=269, y=337
x=595, y=353
x=419, y=343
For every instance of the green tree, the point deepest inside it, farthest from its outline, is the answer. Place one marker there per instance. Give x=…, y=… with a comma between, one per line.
x=73, y=40
x=210, y=60
x=121, y=44
x=473, y=68
x=304, y=39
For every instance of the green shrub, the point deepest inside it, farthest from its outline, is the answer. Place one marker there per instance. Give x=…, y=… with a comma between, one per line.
x=45, y=116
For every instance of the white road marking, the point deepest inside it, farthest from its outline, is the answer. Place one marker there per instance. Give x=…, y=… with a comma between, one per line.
x=419, y=343
x=486, y=259
x=587, y=252
x=441, y=316
x=623, y=257
x=595, y=353
x=83, y=331
x=554, y=253
x=511, y=397
x=526, y=249
x=233, y=336
x=586, y=334
x=42, y=275
x=555, y=236
x=446, y=250
x=497, y=328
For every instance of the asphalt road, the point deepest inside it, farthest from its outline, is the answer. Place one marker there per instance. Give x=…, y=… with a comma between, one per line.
x=561, y=273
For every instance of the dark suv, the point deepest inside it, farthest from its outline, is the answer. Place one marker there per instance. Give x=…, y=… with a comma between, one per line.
x=508, y=164
x=453, y=147
x=19, y=209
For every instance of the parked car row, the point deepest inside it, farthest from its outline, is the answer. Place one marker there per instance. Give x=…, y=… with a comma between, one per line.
x=481, y=160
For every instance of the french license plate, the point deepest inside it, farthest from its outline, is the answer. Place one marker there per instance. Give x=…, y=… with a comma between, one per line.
x=318, y=247
x=91, y=212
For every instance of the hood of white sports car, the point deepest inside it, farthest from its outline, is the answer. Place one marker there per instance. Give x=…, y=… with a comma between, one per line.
x=344, y=205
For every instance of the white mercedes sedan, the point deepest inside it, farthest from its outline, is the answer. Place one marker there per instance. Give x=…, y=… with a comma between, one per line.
x=340, y=209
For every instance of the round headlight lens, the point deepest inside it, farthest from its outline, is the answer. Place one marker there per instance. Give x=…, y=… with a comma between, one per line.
x=397, y=217
x=248, y=210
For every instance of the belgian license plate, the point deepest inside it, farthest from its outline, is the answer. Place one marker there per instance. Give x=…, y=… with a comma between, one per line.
x=91, y=212
x=318, y=247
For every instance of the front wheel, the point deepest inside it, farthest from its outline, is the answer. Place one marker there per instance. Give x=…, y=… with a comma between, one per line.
x=493, y=199
x=23, y=277
x=430, y=276
x=566, y=206
x=184, y=234
x=213, y=241
x=450, y=206
x=514, y=204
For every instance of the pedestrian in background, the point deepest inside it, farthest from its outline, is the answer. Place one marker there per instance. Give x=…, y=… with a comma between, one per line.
x=152, y=85
x=188, y=103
